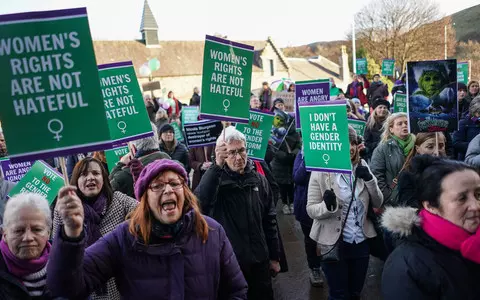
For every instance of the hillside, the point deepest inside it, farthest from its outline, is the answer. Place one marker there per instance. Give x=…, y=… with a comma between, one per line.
x=467, y=23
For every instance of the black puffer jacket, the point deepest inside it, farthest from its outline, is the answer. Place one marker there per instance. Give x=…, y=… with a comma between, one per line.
x=422, y=269
x=180, y=153
x=371, y=138
x=284, y=157
x=243, y=205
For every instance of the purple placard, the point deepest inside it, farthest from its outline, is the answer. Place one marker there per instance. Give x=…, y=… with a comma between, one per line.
x=115, y=65
x=310, y=93
x=61, y=152
x=205, y=134
x=332, y=102
x=49, y=14
x=15, y=171
x=311, y=169
x=121, y=142
x=228, y=42
x=223, y=118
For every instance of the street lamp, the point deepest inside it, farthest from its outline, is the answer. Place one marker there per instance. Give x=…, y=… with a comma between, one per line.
x=446, y=51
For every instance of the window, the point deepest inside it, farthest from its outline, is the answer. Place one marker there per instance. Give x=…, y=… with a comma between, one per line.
x=272, y=67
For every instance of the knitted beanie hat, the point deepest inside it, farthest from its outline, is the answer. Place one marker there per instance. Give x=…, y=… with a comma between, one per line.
x=152, y=170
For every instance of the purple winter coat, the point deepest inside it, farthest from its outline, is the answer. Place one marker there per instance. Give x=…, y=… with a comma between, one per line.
x=301, y=177
x=181, y=269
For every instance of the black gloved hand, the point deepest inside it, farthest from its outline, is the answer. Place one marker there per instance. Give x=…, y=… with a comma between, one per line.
x=330, y=200
x=363, y=173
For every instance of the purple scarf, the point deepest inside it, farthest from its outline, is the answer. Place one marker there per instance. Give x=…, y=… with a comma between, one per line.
x=93, y=217
x=23, y=267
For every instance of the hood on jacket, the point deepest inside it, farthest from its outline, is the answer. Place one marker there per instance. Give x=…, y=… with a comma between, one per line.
x=400, y=220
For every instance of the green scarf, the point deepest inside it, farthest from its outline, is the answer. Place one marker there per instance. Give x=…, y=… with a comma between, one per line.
x=406, y=145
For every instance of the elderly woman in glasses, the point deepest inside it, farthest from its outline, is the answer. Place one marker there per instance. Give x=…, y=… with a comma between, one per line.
x=24, y=248
x=167, y=250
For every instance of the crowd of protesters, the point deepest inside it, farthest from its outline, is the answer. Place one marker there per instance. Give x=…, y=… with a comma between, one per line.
x=169, y=222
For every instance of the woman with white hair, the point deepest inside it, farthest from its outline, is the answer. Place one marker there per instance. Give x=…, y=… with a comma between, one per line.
x=25, y=248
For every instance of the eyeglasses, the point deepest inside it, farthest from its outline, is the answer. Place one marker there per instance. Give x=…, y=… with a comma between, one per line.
x=160, y=186
x=233, y=153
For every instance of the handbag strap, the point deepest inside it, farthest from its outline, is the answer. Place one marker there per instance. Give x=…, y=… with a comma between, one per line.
x=349, y=206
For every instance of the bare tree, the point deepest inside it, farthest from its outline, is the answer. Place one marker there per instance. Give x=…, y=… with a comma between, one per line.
x=401, y=30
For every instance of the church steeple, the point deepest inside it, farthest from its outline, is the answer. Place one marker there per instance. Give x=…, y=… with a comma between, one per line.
x=149, y=27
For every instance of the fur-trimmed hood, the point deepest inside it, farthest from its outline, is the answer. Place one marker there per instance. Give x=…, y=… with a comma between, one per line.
x=400, y=220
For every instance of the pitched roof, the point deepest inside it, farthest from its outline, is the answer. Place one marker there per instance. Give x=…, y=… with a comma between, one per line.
x=308, y=69
x=177, y=58
x=148, y=20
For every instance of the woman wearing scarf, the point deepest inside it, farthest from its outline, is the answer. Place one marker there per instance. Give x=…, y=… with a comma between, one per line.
x=389, y=156
x=167, y=250
x=104, y=210
x=338, y=205
x=25, y=248
x=439, y=258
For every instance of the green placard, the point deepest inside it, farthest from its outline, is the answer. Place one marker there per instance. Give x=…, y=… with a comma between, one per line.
x=41, y=179
x=388, y=67
x=462, y=72
x=400, y=103
x=226, y=80
x=114, y=155
x=50, y=94
x=358, y=125
x=190, y=114
x=124, y=106
x=362, y=67
x=325, y=137
x=177, y=131
x=257, y=133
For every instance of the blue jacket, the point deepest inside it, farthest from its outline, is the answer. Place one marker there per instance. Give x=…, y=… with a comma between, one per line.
x=301, y=177
x=467, y=131
x=183, y=268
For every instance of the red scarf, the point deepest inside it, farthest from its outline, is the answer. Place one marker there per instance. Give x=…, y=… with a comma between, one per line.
x=259, y=168
x=451, y=235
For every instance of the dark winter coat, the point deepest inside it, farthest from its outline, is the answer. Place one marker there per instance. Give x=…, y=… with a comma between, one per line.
x=387, y=161
x=196, y=157
x=407, y=190
x=195, y=100
x=420, y=268
x=121, y=178
x=284, y=157
x=11, y=288
x=243, y=204
x=399, y=89
x=179, y=153
x=301, y=178
x=184, y=268
x=376, y=90
x=467, y=131
x=372, y=137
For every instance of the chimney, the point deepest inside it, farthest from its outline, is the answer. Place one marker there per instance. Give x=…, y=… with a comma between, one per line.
x=149, y=27
x=345, y=69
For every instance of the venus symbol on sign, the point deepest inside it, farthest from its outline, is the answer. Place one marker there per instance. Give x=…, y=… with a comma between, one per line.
x=226, y=104
x=326, y=158
x=56, y=132
x=122, y=125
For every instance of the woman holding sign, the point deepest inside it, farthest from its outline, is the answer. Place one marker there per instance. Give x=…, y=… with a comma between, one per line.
x=104, y=209
x=389, y=157
x=167, y=250
x=338, y=205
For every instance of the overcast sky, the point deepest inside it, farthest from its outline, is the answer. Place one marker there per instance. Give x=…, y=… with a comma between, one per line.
x=300, y=22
